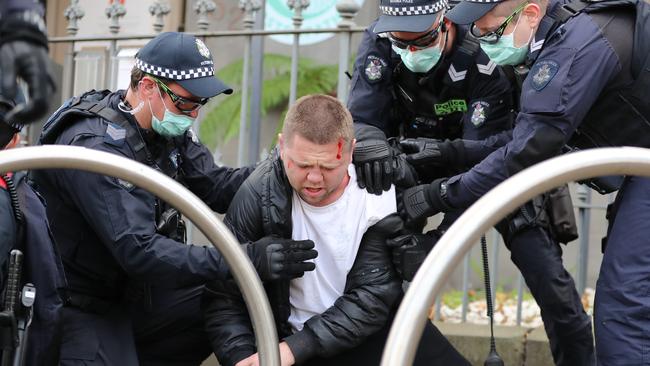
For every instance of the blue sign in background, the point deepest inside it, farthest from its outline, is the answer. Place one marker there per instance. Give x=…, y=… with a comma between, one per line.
x=319, y=14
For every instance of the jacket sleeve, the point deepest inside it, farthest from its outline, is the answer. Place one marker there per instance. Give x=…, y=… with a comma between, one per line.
x=123, y=217
x=561, y=87
x=227, y=321
x=370, y=98
x=477, y=150
x=215, y=185
x=372, y=291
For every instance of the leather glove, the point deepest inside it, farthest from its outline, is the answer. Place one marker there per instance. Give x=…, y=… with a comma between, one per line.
x=277, y=258
x=423, y=201
x=23, y=53
x=373, y=160
x=410, y=250
x=425, y=151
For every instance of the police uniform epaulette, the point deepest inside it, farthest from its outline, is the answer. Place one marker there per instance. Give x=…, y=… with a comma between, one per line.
x=115, y=134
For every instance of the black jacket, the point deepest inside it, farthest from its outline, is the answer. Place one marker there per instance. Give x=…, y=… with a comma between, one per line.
x=262, y=207
x=106, y=227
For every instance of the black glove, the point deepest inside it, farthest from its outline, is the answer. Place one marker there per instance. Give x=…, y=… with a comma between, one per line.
x=374, y=162
x=277, y=258
x=423, y=201
x=425, y=151
x=410, y=250
x=23, y=53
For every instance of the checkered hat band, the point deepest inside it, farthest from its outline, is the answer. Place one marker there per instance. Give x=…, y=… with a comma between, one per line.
x=414, y=10
x=167, y=73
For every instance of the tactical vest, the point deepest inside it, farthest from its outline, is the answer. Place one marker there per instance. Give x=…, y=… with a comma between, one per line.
x=95, y=104
x=429, y=107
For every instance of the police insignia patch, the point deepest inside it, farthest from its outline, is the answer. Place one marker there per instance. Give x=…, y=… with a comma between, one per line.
x=542, y=73
x=374, y=68
x=173, y=157
x=479, y=112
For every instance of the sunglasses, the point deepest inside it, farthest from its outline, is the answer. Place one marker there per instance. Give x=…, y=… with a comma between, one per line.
x=420, y=43
x=184, y=105
x=494, y=36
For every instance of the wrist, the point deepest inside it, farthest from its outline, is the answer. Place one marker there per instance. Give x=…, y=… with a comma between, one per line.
x=437, y=195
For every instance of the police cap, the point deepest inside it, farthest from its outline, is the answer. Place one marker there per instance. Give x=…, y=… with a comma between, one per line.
x=469, y=11
x=408, y=15
x=183, y=58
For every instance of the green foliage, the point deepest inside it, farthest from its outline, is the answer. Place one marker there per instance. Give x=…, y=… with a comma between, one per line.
x=222, y=121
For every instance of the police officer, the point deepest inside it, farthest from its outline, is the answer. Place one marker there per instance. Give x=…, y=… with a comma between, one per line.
x=577, y=92
x=421, y=76
x=23, y=226
x=23, y=53
x=122, y=248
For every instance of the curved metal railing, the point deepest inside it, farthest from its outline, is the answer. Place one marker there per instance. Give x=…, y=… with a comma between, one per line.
x=446, y=255
x=70, y=157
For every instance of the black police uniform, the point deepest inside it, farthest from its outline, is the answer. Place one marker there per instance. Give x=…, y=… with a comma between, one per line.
x=578, y=93
x=466, y=96
x=106, y=231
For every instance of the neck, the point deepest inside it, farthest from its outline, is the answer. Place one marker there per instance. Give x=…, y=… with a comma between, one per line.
x=143, y=117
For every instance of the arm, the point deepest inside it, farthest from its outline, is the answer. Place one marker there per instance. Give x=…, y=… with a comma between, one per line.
x=372, y=291
x=123, y=217
x=370, y=100
x=213, y=184
x=571, y=73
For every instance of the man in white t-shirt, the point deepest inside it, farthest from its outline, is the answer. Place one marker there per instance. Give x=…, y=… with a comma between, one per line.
x=339, y=313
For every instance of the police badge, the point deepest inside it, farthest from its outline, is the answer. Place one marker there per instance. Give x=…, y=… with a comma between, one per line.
x=542, y=73
x=479, y=112
x=374, y=68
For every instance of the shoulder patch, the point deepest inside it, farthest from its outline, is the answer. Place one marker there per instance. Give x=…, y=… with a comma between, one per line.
x=374, y=68
x=115, y=135
x=479, y=112
x=542, y=73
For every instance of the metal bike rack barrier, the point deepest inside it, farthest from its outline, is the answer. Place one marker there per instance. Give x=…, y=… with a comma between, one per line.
x=71, y=157
x=409, y=323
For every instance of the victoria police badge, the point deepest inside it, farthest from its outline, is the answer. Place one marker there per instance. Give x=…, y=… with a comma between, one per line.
x=542, y=73
x=479, y=112
x=374, y=68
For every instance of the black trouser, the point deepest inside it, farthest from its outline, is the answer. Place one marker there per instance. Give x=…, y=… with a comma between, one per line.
x=170, y=330
x=539, y=258
x=434, y=349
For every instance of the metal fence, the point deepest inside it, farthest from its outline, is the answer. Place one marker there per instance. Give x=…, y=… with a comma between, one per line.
x=249, y=135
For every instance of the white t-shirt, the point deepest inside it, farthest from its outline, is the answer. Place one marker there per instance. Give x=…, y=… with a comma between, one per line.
x=336, y=230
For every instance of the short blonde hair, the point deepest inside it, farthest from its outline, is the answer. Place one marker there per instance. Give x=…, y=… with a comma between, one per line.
x=319, y=118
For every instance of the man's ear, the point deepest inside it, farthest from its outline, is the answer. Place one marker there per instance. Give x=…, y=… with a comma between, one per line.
x=533, y=13
x=147, y=86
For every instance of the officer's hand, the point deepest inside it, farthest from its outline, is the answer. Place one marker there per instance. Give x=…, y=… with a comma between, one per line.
x=423, y=201
x=29, y=62
x=422, y=151
x=404, y=174
x=277, y=258
x=410, y=250
x=23, y=53
x=373, y=160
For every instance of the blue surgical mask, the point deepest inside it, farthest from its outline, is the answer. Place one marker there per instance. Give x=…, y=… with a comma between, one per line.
x=504, y=52
x=420, y=60
x=172, y=124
